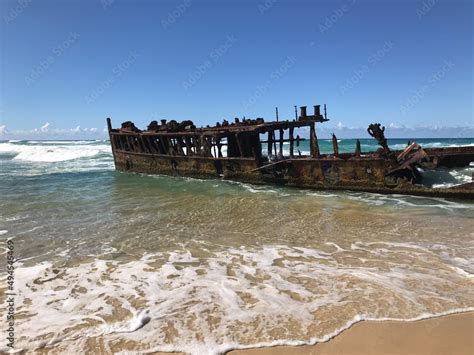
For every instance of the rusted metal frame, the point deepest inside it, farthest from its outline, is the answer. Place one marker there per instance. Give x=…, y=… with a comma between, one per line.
x=219, y=147
x=206, y=147
x=407, y=151
x=213, y=140
x=256, y=147
x=286, y=140
x=114, y=141
x=269, y=143
x=231, y=129
x=269, y=165
x=179, y=145
x=335, y=146
x=123, y=142
x=171, y=148
x=274, y=142
x=143, y=145
x=118, y=139
x=135, y=145
x=281, y=142
x=130, y=146
x=187, y=142
x=239, y=144
x=198, y=145
x=357, y=150
x=184, y=157
x=291, y=133
x=153, y=144
x=111, y=137
x=314, y=147
x=176, y=146
x=159, y=144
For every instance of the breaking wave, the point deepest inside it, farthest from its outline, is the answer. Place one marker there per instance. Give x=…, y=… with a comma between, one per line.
x=53, y=151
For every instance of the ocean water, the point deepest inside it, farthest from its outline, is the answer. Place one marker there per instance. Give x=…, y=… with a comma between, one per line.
x=117, y=261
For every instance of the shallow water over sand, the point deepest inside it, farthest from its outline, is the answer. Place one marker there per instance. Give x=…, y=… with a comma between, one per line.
x=162, y=263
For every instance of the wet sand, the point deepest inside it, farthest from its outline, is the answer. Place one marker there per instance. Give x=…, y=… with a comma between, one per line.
x=452, y=334
x=446, y=335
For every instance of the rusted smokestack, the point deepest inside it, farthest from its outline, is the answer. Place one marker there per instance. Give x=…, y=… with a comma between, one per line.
x=317, y=110
x=303, y=111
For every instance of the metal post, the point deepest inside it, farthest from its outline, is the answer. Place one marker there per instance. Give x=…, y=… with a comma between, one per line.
x=274, y=143
x=269, y=144
x=291, y=141
x=239, y=144
x=276, y=111
x=281, y=142
x=358, y=150
x=313, y=142
x=335, y=145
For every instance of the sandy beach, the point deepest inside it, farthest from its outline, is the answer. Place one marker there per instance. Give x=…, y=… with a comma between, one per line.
x=452, y=334
x=445, y=335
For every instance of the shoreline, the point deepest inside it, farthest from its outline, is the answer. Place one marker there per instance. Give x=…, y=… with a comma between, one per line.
x=439, y=335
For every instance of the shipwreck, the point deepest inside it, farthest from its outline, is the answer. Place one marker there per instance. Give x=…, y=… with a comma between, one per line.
x=252, y=151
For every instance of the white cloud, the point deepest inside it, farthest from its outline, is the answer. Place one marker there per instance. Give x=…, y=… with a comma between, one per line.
x=394, y=130
x=45, y=127
x=48, y=131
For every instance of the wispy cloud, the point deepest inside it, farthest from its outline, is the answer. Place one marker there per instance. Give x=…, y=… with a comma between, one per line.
x=48, y=131
x=396, y=130
x=393, y=130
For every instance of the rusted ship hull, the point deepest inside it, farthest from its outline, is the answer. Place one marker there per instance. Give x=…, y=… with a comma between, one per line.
x=303, y=173
x=198, y=153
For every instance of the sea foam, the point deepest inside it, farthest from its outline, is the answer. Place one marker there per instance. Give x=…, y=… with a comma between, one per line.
x=237, y=298
x=53, y=152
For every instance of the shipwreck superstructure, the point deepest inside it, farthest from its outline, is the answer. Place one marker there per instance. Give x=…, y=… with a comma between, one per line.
x=260, y=152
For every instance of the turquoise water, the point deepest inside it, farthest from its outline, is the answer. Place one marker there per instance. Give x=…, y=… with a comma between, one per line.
x=201, y=266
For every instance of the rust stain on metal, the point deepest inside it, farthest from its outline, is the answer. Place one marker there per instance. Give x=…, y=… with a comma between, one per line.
x=251, y=151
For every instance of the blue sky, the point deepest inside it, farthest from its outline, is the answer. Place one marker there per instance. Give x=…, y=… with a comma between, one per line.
x=67, y=65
